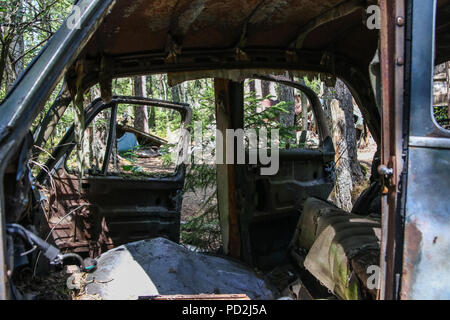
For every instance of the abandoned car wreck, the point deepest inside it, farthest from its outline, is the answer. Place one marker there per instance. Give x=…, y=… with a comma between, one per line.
x=122, y=226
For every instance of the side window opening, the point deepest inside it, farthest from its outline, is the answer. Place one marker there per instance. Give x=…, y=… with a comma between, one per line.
x=135, y=153
x=441, y=96
x=441, y=75
x=277, y=106
x=146, y=154
x=95, y=140
x=307, y=134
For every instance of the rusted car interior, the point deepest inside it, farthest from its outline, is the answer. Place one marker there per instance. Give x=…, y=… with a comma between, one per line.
x=114, y=197
x=266, y=221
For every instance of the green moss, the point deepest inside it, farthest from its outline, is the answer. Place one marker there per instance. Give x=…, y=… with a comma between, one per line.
x=346, y=287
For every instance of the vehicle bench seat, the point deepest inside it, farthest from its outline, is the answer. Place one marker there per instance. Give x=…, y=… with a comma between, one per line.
x=340, y=247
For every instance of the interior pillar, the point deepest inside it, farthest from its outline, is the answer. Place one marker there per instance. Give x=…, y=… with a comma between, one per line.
x=229, y=97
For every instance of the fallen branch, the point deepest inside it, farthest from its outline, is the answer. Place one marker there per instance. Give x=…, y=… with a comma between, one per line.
x=154, y=140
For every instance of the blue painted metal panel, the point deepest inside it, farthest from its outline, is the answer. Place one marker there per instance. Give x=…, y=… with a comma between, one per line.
x=426, y=251
x=427, y=233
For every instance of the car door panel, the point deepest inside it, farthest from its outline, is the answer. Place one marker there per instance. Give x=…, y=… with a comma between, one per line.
x=108, y=209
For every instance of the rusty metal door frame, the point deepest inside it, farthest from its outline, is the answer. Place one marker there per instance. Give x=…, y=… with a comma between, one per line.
x=393, y=29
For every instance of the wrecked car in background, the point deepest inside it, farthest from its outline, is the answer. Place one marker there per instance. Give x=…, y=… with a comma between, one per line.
x=266, y=221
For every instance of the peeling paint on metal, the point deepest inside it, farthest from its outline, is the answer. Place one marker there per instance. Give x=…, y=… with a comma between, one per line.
x=132, y=8
x=190, y=15
x=266, y=13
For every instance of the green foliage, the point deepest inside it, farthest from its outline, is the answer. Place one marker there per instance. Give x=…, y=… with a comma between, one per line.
x=132, y=156
x=441, y=116
x=31, y=22
x=269, y=119
x=203, y=230
x=167, y=154
x=314, y=84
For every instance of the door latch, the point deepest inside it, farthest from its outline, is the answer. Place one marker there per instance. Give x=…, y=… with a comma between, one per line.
x=386, y=175
x=385, y=171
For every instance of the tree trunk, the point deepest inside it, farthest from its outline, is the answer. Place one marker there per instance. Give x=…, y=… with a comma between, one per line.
x=258, y=90
x=151, y=110
x=176, y=97
x=447, y=69
x=162, y=81
x=140, y=112
x=95, y=141
x=16, y=48
x=344, y=184
x=304, y=103
x=327, y=98
x=17, y=51
x=344, y=96
x=286, y=94
x=266, y=88
x=3, y=62
x=252, y=85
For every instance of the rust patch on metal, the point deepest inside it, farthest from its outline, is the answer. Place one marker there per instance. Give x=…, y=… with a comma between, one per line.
x=83, y=231
x=413, y=244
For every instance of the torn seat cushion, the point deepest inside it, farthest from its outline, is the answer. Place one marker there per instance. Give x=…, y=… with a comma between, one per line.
x=162, y=267
x=340, y=247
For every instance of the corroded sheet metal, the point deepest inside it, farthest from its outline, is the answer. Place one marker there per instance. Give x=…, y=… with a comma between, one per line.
x=116, y=211
x=82, y=231
x=426, y=247
x=152, y=36
x=144, y=25
x=426, y=262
